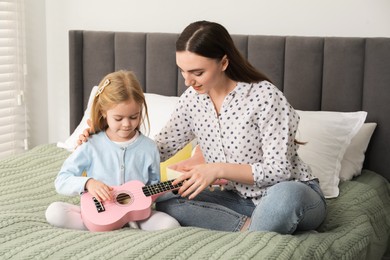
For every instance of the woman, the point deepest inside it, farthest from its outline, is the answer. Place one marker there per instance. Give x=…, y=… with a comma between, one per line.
x=246, y=129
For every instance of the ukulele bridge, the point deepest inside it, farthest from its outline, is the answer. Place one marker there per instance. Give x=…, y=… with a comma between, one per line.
x=99, y=206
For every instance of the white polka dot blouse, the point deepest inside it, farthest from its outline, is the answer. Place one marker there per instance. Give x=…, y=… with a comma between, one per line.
x=256, y=126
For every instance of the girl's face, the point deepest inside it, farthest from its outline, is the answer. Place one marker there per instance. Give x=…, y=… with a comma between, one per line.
x=202, y=73
x=123, y=119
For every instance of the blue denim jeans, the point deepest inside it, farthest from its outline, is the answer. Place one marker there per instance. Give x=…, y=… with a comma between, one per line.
x=287, y=207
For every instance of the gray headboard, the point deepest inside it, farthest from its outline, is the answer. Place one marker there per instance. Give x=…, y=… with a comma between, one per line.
x=315, y=73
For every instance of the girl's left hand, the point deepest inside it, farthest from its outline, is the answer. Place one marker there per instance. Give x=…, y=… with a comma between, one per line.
x=196, y=178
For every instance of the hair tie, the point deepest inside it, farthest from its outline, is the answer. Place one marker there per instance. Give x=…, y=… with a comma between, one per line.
x=105, y=84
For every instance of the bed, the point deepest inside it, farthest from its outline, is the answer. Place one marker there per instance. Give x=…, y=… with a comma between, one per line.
x=318, y=75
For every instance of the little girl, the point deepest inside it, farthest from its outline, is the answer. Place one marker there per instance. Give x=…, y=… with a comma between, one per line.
x=118, y=153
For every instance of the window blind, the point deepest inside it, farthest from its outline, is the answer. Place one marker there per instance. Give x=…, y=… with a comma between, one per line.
x=13, y=116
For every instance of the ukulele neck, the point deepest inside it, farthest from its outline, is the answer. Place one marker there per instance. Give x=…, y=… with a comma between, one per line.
x=161, y=187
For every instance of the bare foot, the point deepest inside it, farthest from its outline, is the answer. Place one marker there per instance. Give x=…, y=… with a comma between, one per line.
x=246, y=224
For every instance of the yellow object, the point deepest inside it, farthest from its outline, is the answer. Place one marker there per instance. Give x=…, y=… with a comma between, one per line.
x=183, y=154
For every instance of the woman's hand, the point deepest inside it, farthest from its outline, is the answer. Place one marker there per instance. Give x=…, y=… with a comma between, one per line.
x=99, y=190
x=198, y=175
x=191, y=170
x=86, y=133
x=196, y=178
x=195, y=159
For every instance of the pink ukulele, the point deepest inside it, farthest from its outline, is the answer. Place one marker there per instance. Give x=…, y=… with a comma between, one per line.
x=132, y=201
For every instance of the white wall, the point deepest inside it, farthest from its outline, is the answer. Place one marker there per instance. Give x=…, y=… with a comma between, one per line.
x=365, y=18
x=36, y=88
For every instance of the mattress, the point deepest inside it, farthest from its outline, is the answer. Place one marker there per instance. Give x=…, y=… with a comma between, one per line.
x=357, y=225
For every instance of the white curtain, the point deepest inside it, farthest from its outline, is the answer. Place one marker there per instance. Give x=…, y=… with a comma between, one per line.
x=13, y=116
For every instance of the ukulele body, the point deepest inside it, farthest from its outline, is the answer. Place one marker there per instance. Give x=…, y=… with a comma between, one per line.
x=129, y=203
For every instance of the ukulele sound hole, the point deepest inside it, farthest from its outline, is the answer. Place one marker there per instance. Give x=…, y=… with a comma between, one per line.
x=123, y=198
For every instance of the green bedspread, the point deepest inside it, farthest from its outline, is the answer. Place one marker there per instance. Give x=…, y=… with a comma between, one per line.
x=357, y=225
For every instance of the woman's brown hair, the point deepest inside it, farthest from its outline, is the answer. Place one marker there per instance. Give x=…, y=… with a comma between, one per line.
x=212, y=40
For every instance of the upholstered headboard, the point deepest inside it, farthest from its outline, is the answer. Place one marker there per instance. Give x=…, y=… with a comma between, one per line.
x=315, y=73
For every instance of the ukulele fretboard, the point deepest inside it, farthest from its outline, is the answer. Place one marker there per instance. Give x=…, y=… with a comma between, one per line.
x=154, y=189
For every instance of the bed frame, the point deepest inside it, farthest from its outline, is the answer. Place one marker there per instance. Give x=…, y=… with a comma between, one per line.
x=315, y=73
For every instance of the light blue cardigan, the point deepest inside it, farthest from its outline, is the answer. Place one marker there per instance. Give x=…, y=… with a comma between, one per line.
x=110, y=163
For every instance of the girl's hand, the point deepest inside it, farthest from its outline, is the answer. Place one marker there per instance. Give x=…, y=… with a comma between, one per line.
x=99, y=190
x=196, y=178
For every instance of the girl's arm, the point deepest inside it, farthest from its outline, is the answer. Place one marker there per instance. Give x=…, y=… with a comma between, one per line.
x=70, y=180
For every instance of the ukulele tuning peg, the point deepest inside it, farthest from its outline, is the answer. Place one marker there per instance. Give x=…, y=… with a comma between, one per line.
x=211, y=188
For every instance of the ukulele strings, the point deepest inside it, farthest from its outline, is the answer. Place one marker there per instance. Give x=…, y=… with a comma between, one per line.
x=153, y=189
x=147, y=190
x=159, y=187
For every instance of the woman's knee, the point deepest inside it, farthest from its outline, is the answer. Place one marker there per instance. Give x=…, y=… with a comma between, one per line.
x=286, y=205
x=291, y=194
x=287, y=189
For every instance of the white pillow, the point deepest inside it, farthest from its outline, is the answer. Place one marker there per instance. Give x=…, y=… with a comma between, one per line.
x=328, y=134
x=71, y=142
x=159, y=109
x=353, y=159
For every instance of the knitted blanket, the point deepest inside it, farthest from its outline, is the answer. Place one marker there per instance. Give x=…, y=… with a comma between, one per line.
x=357, y=225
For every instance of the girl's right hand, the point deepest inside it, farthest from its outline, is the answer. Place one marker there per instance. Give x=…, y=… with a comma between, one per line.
x=99, y=190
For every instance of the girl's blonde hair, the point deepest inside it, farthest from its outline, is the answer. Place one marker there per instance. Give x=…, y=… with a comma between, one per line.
x=115, y=88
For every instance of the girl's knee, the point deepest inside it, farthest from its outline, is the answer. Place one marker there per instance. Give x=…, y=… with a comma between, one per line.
x=165, y=220
x=159, y=220
x=54, y=213
x=64, y=215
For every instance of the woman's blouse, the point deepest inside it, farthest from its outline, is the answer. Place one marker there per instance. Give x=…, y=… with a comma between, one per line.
x=256, y=126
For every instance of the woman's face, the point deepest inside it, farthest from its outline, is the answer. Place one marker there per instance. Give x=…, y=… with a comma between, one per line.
x=202, y=73
x=123, y=119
